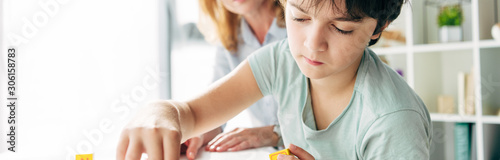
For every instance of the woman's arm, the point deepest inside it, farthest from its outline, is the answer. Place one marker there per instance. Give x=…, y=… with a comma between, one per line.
x=244, y=138
x=159, y=128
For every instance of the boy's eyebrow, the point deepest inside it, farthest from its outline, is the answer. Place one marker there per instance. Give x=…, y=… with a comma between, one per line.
x=344, y=18
x=349, y=19
x=298, y=7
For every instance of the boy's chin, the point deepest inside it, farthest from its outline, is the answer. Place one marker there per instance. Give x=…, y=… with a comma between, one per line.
x=313, y=75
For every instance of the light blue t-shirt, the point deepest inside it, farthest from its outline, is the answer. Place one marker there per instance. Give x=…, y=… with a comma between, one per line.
x=264, y=111
x=385, y=118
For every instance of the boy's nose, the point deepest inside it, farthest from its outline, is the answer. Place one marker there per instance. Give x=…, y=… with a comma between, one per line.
x=316, y=41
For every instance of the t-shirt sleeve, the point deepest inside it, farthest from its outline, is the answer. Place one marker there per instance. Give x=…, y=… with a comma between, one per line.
x=398, y=135
x=263, y=65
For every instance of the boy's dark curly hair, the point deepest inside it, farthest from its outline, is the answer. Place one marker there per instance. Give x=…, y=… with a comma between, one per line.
x=384, y=11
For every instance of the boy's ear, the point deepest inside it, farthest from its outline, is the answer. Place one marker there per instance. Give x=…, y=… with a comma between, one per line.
x=376, y=36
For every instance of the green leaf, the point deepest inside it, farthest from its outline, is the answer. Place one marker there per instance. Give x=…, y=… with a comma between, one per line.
x=450, y=15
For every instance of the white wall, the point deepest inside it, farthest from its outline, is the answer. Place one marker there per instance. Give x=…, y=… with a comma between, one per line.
x=428, y=78
x=486, y=18
x=490, y=81
x=81, y=63
x=3, y=70
x=192, y=57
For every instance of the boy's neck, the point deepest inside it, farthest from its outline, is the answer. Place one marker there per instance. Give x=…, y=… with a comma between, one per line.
x=260, y=20
x=338, y=85
x=331, y=95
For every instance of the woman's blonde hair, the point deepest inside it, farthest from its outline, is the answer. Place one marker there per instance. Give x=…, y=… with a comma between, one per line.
x=217, y=23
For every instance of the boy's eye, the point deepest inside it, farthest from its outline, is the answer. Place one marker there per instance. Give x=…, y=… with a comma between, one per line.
x=335, y=27
x=299, y=19
x=341, y=31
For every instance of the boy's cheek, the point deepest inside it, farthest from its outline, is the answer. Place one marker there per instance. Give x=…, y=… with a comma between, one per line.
x=296, y=44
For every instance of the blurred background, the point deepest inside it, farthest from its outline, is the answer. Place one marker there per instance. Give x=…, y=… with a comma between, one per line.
x=85, y=67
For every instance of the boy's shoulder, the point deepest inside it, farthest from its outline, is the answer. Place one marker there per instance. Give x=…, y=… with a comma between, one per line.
x=274, y=48
x=279, y=47
x=274, y=53
x=383, y=90
x=389, y=107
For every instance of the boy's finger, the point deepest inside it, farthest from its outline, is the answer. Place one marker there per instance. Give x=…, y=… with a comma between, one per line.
x=171, y=145
x=300, y=153
x=192, y=150
x=134, y=150
x=154, y=148
x=121, y=149
x=286, y=157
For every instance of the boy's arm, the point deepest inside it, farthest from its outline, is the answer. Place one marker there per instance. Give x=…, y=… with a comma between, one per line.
x=398, y=135
x=225, y=98
x=160, y=127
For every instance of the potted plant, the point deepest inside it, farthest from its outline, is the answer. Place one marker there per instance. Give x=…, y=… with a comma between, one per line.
x=449, y=20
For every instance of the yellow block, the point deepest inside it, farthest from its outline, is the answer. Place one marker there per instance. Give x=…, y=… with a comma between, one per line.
x=274, y=156
x=84, y=157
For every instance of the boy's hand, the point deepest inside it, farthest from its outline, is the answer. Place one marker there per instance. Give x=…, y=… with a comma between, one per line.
x=297, y=151
x=194, y=144
x=243, y=138
x=155, y=131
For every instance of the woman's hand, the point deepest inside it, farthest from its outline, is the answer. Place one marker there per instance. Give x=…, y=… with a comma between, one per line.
x=243, y=138
x=155, y=130
x=300, y=154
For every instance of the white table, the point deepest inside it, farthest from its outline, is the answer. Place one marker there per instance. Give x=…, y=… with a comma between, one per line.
x=110, y=154
x=250, y=154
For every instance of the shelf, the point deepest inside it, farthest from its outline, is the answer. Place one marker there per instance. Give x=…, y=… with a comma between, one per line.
x=437, y=3
x=389, y=50
x=437, y=47
x=438, y=117
x=491, y=119
x=489, y=43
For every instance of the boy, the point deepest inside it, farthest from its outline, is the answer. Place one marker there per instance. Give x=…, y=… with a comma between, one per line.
x=337, y=99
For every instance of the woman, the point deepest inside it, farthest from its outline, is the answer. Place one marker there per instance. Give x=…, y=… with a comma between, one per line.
x=240, y=28
x=337, y=99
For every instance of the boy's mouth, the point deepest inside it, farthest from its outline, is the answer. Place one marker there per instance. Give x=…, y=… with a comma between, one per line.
x=312, y=62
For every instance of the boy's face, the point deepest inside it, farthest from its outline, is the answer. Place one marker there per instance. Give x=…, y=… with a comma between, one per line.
x=323, y=40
